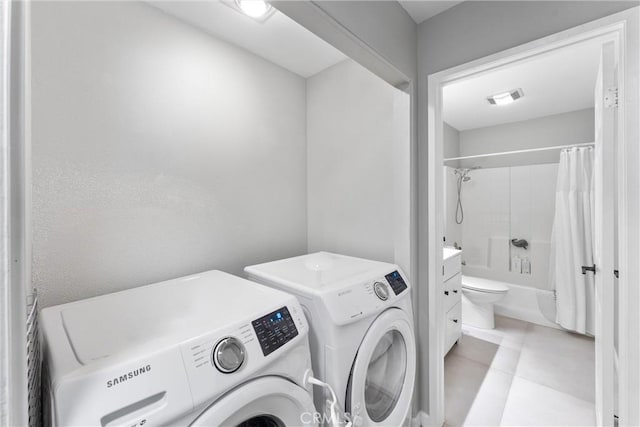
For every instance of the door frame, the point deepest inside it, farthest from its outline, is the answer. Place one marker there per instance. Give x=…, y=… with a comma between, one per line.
x=15, y=215
x=622, y=29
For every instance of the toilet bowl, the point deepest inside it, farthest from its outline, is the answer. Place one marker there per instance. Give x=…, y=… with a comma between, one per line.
x=478, y=297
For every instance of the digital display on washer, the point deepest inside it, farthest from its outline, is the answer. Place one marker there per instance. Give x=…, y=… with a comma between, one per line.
x=396, y=281
x=274, y=330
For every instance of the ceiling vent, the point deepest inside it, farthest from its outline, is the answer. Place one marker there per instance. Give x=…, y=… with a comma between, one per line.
x=504, y=98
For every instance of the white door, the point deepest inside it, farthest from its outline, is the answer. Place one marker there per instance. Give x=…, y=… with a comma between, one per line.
x=264, y=402
x=383, y=373
x=604, y=173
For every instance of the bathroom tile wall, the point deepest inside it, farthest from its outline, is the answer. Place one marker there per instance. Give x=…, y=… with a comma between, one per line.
x=451, y=148
x=532, y=208
x=485, y=229
x=453, y=231
x=509, y=197
x=501, y=204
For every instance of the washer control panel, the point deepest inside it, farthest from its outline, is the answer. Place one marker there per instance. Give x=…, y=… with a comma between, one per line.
x=396, y=281
x=274, y=330
x=366, y=296
x=229, y=354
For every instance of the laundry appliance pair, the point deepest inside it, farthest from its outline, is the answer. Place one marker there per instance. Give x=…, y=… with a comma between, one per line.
x=213, y=349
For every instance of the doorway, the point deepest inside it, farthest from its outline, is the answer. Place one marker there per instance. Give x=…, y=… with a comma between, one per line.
x=606, y=32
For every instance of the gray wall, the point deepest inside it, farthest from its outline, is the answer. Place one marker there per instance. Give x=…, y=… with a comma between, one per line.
x=451, y=142
x=382, y=37
x=468, y=31
x=574, y=127
x=383, y=25
x=379, y=35
x=386, y=38
x=158, y=151
x=352, y=145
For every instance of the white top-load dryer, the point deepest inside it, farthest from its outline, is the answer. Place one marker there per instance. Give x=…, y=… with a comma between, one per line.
x=362, y=337
x=209, y=349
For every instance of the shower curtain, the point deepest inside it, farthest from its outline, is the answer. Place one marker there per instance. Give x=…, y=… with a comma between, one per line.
x=572, y=241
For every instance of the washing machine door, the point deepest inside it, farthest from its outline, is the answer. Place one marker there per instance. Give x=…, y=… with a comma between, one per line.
x=263, y=402
x=383, y=373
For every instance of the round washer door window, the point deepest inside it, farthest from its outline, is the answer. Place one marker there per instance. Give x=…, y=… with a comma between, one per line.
x=263, y=402
x=383, y=373
x=262, y=421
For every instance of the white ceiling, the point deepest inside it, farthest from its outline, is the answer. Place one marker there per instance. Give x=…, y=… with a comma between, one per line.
x=421, y=10
x=554, y=83
x=279, y=39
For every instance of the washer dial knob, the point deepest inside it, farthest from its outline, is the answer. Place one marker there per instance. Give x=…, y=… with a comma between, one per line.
x=228, y=355
x=381, y=290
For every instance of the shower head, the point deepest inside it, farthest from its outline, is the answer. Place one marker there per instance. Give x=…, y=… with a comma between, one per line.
x=462, y=173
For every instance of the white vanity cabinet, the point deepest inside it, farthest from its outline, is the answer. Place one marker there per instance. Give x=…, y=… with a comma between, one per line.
x=451, y=293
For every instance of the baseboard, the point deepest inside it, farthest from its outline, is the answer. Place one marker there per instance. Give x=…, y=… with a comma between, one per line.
x=420, y=420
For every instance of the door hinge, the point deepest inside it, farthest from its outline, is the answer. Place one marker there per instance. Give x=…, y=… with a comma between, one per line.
x=611, y=97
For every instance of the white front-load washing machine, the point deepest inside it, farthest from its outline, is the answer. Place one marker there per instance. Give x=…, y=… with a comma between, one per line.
x=362, y=336
x=209, y=349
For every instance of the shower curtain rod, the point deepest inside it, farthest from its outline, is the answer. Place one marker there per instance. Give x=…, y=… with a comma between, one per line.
x=531, y=150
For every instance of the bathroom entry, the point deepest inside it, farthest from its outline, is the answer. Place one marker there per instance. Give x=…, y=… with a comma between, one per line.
x=529, y=205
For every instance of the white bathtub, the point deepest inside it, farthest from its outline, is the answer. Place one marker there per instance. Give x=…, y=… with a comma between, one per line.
x=521, y=302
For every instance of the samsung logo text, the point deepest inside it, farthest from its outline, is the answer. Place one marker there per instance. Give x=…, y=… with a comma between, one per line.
x=128, y=376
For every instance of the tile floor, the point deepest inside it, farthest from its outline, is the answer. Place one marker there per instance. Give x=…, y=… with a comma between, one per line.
x=520, y=374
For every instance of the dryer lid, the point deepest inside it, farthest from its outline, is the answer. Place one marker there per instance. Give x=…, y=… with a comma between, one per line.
x=319, y=270
x=161, y=314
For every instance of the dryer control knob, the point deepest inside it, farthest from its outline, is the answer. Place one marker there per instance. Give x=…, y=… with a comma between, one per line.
x=228, y=355
x=381, y=290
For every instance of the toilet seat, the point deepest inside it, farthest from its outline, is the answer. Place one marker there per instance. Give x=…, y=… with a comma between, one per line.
x=482, y=285
x=478, y=297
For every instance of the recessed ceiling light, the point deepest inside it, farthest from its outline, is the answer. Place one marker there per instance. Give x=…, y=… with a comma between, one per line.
x=504, y=98
x=254, y=8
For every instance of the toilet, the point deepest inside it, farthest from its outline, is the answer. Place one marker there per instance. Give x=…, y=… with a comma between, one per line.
x=478, y=297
